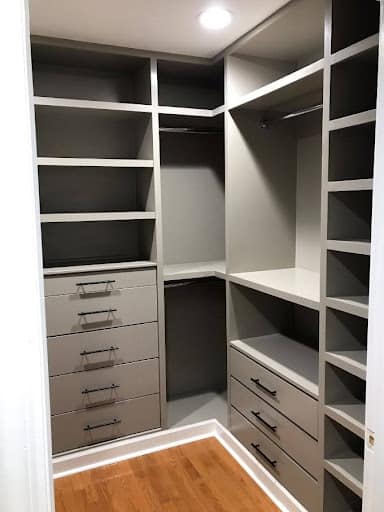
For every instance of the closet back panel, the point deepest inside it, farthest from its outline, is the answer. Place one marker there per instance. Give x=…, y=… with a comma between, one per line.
x=95, y=189
x=192, y=168
x=82, y=133
x=196, y=342
x=94, y=242
x=90, y=75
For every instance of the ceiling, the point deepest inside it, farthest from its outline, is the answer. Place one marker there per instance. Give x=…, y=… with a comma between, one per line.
x=170, y=26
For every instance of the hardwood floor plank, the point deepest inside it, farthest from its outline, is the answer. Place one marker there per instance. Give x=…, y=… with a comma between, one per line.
x=196, y=477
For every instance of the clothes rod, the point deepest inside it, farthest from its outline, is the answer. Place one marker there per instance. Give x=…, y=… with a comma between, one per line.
x=190, y=130
x=313, y=108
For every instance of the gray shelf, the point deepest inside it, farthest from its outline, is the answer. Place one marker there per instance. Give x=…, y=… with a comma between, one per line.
x=94, y=162
x=350, y=185
x=361, y=118
x=91, y=105
x=355, y=49
x=349, y=471
x=105, y=267
x=291, y=360
x=352, y=361
x=96, y=217
x=351, y=416
x=199, y=270
x=351, y=246
x=355, y=305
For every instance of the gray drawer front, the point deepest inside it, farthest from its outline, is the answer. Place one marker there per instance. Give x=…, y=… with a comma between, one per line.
x=299, y=445
x=70, y=431
x=299, y=483
x=299, y=407
x=98, y=282
x=65, y=313
x=76, y=391
x=133, y=343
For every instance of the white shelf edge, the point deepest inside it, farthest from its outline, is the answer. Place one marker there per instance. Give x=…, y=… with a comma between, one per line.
x=186, y=111
x=95, y=217
x=369, y=116
x=350, y=185
x=335, y=467
x=198, y=270
x=91, y=105
x=355, y=426
x=346, y=363
x=102, y=267
x=281, y=83
x=93, y=162
x=355, y=49
x=350, y=246
x=347, y=305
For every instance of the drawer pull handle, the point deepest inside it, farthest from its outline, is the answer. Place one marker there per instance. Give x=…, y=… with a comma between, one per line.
x=265, y=457
x=108, y=281
x=84, y=313
x=89, y=352
x=264, y=388
x=101, y=425
x=265, y=423
x=94, y=390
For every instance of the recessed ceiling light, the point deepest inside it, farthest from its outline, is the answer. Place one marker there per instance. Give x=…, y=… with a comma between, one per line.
x=215, y=18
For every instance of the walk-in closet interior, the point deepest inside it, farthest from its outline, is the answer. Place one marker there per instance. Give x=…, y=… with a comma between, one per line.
x=206, y=231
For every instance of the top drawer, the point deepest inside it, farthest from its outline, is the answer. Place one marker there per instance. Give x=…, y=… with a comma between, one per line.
x=293, y=403
x=97, y=282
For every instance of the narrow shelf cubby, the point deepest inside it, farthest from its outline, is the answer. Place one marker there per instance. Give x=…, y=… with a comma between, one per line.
x=344, y=455
x=352, y=21
x=87, y=73
x=87, y=133
x=345, y=399
x=190, y=85
x=349, y=220
x=280, y=335
x=346, y=342
x=351, y=153
x=338, y=497
x=354, y=85
x=99, y=242
x=95, y=189
x=348, y=282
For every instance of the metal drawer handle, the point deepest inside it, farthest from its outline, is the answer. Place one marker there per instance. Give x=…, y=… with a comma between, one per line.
x=94, y=390
x=84, y=313
x=259, y=418
x=108, y=281
x=261, y=386
x=101, y=425
x=262, y=454
x=89, y=352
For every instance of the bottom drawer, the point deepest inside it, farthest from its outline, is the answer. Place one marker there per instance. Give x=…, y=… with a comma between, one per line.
x=82, y=428
x=299, y=483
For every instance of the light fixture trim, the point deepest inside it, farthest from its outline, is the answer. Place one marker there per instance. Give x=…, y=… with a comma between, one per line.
x=215, y=18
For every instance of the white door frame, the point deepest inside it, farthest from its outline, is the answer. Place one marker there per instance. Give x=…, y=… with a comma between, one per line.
x=26, y=483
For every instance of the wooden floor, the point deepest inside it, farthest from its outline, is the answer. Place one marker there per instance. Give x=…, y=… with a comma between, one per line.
x=196, y=477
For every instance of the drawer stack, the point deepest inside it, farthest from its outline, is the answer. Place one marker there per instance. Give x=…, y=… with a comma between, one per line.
x=103, y=356
x=278, y=423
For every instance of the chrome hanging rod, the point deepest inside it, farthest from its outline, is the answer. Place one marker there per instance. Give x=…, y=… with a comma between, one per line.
x=191, y=130
x=313, y=108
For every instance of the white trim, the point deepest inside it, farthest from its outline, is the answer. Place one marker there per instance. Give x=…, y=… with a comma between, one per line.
x=92, y=458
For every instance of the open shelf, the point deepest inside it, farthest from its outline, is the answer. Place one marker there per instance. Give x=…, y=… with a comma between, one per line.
x=345, y=399
x=361, y=71
x=191, y=112
x=91, y=105
x=95, y=217
x=354, y=185
x=286, y=90
x=352, y=361
x=87, y=133
x=93, y=162
x=355, y=49
x=353, y=21
x=194, y=270
x=339, y=497
x=106, y=267
x=344, y=452
x=352, y=246
x=366, y=117
x=291, y=360
x=296, y=285
x=89, y=72
x=355, y=305
x=187, y=410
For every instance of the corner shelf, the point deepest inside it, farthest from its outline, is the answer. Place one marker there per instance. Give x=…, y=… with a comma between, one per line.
x=351, y=246
x=96, y=217
x=291, y=360
x=194, y=270
x=350, y=471
x=350, y=185
x=103, y=267
x=350, y=416
x=369, y=116
x=91, y=105
x=299, y=83
x=356, y=305
x=192, y=112
x=296, y=285
x=351, y=361
x=93, y=162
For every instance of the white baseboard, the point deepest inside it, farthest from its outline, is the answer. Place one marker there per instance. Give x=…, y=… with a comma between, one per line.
x=91, y=458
